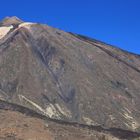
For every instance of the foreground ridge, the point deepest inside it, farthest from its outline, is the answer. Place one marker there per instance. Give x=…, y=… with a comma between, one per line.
x=119, y=133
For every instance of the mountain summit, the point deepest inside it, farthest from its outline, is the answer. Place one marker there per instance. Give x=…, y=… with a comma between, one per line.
x=70, y=79
x=10, y=20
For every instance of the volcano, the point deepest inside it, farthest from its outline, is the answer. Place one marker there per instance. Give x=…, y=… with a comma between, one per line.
x=82, y=87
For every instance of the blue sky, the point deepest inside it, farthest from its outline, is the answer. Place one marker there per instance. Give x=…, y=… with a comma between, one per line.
x=116, y=22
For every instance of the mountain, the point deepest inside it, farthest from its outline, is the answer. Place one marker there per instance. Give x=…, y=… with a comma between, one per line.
x=71, y=79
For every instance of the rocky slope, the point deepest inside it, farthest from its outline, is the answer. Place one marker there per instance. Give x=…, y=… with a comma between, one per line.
x=12, y=128
x=18, y=122
x=69, y=77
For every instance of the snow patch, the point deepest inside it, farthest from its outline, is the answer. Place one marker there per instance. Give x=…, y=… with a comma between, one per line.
x=21, y=98
x=4, y=30
x=26, y=25
x=52, y=112
x=131, y=122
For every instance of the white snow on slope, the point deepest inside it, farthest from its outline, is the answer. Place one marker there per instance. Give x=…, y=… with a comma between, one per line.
x=26, y=25
x=4, y=31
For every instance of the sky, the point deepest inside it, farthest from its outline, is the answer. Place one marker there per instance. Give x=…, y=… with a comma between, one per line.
x=116, y=22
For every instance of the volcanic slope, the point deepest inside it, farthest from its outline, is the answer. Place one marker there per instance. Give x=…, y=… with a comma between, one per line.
x=68, y=77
